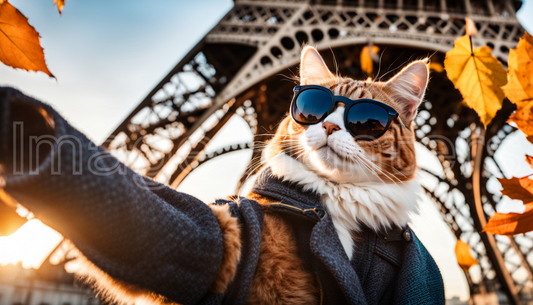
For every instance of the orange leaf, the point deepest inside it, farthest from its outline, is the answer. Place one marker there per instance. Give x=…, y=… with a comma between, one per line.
x=518, y=188
x=60, y=4
x=519, y=88
x=435, y=66
x=10, y=221
x=464, y=258
x=19, y=42
x=523, y=118
x=511, y=223
x=527, y=184
x=366, y=58
x=529, y=160
x=479, y=77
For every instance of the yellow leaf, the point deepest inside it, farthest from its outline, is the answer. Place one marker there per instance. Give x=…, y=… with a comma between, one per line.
x=19, y=42
x=435, y=66
x=514, y=90
x=519, y=88
x=523, y=118
x=60, y=4
x=479, y=77
x=464, y=258
x=470, y=27
x=367, y=63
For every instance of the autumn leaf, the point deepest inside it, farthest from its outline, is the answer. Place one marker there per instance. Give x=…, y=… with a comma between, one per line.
x=366, y=58
x=517, y=93
x=435, y=66
x=60, y=4
x=518, y=188
x=19, y=42
x=470, y=27
x=479, y=77
x=464, y=258
x=10, y=221
x=523, y=118
x=511, y=223
x=529, y=160
x=519, y=88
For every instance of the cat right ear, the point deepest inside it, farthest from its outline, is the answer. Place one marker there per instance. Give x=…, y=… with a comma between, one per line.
x=409, y=86
x=313, y=69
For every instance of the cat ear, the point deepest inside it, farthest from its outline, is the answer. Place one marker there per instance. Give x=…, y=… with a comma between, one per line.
x=408, y=87
x=313, y=69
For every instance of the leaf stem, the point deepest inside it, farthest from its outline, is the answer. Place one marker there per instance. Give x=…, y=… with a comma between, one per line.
x=471, y=47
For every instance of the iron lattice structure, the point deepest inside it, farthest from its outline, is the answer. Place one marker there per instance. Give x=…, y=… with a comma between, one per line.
x=234, y=70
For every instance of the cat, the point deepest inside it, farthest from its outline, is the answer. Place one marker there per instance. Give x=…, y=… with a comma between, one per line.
x=359, y=182
x=369, y=182
x=325, y=223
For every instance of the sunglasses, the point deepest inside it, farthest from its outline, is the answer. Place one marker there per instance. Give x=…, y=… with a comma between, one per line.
x=365, y=119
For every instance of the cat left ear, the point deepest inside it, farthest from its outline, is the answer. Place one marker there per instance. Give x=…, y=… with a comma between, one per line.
x=409, y=86
x=313, y=69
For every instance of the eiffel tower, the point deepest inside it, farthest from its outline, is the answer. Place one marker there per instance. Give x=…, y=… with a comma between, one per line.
x=234, y=71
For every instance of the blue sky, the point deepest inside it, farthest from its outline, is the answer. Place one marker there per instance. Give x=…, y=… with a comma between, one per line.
x=107, y=55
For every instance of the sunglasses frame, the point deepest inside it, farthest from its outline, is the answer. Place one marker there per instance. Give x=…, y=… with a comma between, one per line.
x=349, y=103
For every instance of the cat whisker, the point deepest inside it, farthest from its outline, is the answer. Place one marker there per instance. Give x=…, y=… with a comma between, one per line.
x=367, y=166
x=362, y=165
x=394, y=168
x=379, y=64
x=380, y=170
x=371, y=167
x=253, y=167
x=390, y=166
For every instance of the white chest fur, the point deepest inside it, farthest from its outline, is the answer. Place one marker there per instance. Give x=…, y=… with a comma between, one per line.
x=377, y=205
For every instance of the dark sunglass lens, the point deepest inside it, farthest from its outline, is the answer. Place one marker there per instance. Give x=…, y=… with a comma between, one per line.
x=367, y=120
x=311, y=105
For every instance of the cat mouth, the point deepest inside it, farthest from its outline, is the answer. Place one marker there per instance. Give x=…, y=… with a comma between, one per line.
x=328, y=152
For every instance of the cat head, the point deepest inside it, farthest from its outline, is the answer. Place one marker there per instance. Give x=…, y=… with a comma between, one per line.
x=328, y=149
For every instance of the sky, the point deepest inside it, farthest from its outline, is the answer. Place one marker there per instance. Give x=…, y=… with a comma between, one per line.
x=108, y=55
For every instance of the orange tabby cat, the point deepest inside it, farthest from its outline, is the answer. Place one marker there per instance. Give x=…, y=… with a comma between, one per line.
x=370, y=182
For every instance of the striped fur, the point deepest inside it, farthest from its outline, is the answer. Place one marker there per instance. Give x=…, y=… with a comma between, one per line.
x=280, y=277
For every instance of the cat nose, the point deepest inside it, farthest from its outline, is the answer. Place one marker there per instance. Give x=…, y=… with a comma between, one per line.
x=330, y=127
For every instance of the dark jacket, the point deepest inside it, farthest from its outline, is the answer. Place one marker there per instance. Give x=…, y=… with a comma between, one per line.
x=146, y=234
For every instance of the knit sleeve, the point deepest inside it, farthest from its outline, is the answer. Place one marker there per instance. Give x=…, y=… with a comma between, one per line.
x=133, y=229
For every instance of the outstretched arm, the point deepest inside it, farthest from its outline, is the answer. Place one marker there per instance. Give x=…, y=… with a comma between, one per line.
x=133, y=229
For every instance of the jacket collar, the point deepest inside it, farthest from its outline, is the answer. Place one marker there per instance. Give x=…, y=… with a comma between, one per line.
x=287, y=192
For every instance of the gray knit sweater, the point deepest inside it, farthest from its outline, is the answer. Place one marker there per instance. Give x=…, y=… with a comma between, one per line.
x=146, y=234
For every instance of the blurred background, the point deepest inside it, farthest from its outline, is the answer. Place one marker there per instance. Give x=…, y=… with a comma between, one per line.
x=108, y=56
